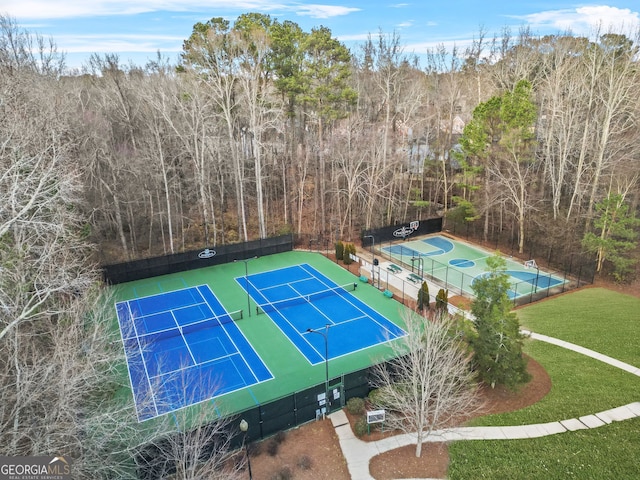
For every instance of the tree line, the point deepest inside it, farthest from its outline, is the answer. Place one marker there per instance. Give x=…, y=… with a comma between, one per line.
x=263, y=128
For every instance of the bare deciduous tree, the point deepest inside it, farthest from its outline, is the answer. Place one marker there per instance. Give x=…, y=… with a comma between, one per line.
x=429, y=384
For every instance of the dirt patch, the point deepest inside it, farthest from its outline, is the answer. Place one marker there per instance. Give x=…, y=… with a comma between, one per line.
x=403, y=463
x=310, y=452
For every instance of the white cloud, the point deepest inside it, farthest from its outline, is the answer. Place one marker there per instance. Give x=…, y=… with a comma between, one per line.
x=31, y=9
x=51, y=9
x=324, y=11
x=119, y=43
x=355, y=37
x=583, y=20
x=405, y=24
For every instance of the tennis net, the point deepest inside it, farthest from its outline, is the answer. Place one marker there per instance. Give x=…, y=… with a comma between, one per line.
x=190, y=327
x=302, y=299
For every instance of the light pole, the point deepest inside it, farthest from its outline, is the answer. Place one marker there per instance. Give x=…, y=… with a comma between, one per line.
x=326, y=362
x=244, y=426
x=373, y=256
x=246, y=279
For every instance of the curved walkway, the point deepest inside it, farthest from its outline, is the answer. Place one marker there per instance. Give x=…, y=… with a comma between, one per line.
x=358, y=453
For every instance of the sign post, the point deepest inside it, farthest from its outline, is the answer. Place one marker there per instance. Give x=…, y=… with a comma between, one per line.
x=375, y=416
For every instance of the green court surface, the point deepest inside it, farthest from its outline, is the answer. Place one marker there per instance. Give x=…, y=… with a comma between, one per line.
x=292, y=372
x=457, y=264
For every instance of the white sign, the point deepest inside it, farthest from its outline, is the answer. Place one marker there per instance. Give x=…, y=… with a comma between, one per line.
x=375, y=416
x=403, y=232
x=207, y=253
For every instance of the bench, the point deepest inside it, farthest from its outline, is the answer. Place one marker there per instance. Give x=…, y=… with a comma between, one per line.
x=364, y=279
x=412, y=277
x=388, y=293
x=393, y=268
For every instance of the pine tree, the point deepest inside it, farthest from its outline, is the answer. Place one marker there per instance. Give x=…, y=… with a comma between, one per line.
x=442, y=300
x=615, y=235
x=498, y=344
x=423, y=297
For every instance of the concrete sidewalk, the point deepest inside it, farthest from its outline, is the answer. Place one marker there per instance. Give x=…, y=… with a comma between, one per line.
x=358, y=453
x=398, y=280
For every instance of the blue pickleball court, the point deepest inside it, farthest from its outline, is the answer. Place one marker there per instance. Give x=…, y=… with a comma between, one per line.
x=183, y=347
x=299, y=299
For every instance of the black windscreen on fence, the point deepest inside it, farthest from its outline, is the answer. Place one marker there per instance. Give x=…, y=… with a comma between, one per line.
x=401, y=231
x=356, y=384
x=278, y=415
x=180, y=262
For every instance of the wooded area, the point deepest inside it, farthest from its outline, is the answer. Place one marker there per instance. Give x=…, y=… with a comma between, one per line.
x=264, y=129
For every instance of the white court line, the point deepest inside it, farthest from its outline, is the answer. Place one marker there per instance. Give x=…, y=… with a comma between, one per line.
x=348, y=300
x=144, y=363
x=193, y=358
x=247, y=363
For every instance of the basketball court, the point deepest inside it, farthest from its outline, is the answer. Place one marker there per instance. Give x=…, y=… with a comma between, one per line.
x=457, y=265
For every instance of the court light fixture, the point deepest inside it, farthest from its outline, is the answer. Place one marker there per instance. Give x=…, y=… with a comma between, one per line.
x=244, y=427
x=375, y=262
x=326, y=363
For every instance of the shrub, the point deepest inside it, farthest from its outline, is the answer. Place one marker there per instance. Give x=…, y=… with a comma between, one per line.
x=272, y=447
x=305, y=462
x=349, y=249
x=284, y=473
x=254, y=449
x=442, y=300
x=374, y=397
x=360, y=427
x=355, y=406
x=423, y=297
x=339, y=250
x=280, y=437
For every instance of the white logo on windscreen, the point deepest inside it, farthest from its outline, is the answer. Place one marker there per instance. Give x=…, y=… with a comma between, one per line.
x=403, y=232
x=207, y=253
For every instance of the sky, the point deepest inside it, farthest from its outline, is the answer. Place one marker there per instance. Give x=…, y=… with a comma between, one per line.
x=137, y=29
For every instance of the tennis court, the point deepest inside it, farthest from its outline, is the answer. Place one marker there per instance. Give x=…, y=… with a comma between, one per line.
x=302, y=302
x=191, y=337
x=457, y=265
x=183, y=347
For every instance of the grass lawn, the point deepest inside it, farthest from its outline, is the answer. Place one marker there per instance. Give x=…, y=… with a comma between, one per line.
x=596, y=318
x=609, y=452
x=601, y=320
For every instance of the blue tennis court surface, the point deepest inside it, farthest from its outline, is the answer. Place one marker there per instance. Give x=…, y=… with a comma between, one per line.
x=183, y=347
x=300, y=298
